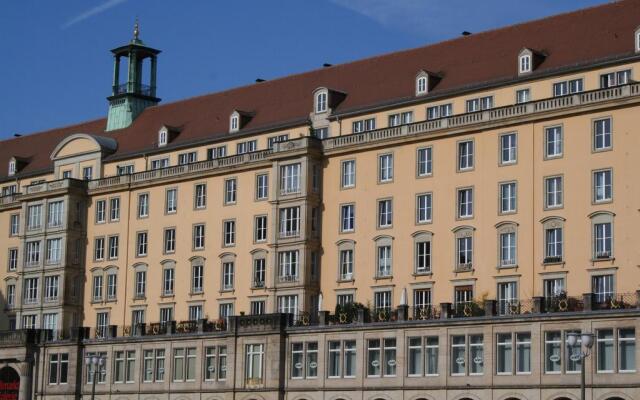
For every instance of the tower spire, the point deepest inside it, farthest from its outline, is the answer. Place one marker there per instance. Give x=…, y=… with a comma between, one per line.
x=136, y=30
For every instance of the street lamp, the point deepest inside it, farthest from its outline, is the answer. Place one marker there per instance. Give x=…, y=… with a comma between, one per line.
x=586, y=342
x=96, y=362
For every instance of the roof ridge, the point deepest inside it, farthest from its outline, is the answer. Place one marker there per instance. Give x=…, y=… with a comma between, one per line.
x=58, y=128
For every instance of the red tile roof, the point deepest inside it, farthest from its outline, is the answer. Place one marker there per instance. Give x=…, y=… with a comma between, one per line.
x=568, y=40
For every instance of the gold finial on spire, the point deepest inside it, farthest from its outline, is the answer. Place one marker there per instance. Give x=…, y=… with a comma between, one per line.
x=136, y=30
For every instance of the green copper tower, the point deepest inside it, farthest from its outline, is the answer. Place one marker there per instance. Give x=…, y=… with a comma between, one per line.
x=129, y=99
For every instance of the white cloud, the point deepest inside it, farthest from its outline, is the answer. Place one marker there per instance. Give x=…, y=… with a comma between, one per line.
x=92, y=12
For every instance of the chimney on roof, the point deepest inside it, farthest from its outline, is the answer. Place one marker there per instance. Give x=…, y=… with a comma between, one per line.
x=258, y=80
x=326, y=65
x=466, y=33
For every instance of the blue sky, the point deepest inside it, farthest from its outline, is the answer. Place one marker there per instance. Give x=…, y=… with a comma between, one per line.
x=56, y=67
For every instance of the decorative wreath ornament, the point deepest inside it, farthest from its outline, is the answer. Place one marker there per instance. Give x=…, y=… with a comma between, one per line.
x=513, y=308
x=467, y=311
x=382, y=315
x=615, y=303
x=342, y=318
x=155, y=330
x=218, y=325
x=563, y=305
x=423, y=313
x=304, y=319
x=126, y=330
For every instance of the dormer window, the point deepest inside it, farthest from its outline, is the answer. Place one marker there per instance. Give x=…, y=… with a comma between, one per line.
x=421, y=85
x=321, y=102
x=525, y=64
x=425, y=81
x=12, y=167
x=163, y=137
x=234, y=123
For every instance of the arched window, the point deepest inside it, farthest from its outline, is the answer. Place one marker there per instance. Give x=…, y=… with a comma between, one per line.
x=507, y=244
x=602, y=235
x=384, y=256
x=321, y=101
x=463, y=257
x=346, y=260
x=422, y=251
x=553, y=239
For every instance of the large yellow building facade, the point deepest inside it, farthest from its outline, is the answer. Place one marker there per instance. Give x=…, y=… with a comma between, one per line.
x=427, y=224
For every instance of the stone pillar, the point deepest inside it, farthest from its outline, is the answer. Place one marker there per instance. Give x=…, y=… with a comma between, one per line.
x=489, y=308
x=141, y=329
x=360, y=316
x=587, y=299
x=538, y=305
x=171, y=327
x=202, y=322
x=116, y=74
x=445, y=310
x=403, y=312
x=112, y=331
x=323, y=317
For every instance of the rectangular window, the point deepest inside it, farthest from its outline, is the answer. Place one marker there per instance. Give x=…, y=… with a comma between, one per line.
x=260, y=228
x=384, y=262
x=554, y=245
x=51, y=285
x=348, y=174
x=508, y=148
x=504, y=349
x=169, y=240
x=246, y=147
x=523, y=96
x=102, y=322
x=141, y=244
x=553, y=142
x=425, y=161
x=553, y=352
x=200, y=196
x=507, y=297
x=168, y=281
x=143, y=205
x=602, y=134
x=441, y=111
x=422, y=303
x=523, y=353
x=112, y=286
x=34, y=217
x=385, y=213
x=347, y=218
x=553, y=188
x=159, y=163
x=385, y=171
x=114, y=209
x=98, y=249
x=14, y=227
x=627, y=350
x=364, y=125
x=187, y=158
x=605, y=350
x=197, y=278
x=465, y=253
x=11, y=296
x=602, y=186
x=198, y=237
x=289, y=222
x=216, y=152
x=615, y=79
x=381, y=357
x=288, y=266
x=125, y=170
x=290, y=179
x=401, y=118
x=458, y=355
x=113, y=247
x=288, y=305
x=465, y=203
x=54, y=250
x=344, y=299
x=257, y=307
x=567, y=87
x=55, y=214
x=346, y=265
x=479, y=104
x=602, y=288
x=276, y=139
x=229, y=232
x=253, y=363
x=465, y=155
x=507, y=249
x=230, y=191
x=423, y=257
x=97, y=288
x=33, y=253
x=12, y=263
x=228, y=275
x=166, y=314
x=141, y=284
x=423, y=208
x=171, y=201
x=262, y=187
x=195, y=312
x=382, y=301
x=508, y=196
x=603, y=238
x=101, y=206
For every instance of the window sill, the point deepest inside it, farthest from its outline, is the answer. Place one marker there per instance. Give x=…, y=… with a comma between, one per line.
x=198, y=293
x=167, y=296
x=418, y=274
x=378, y=278
x=352, y=280
x=139, y=298
x=551, y=263
x=510, y=266
x=603, y=259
